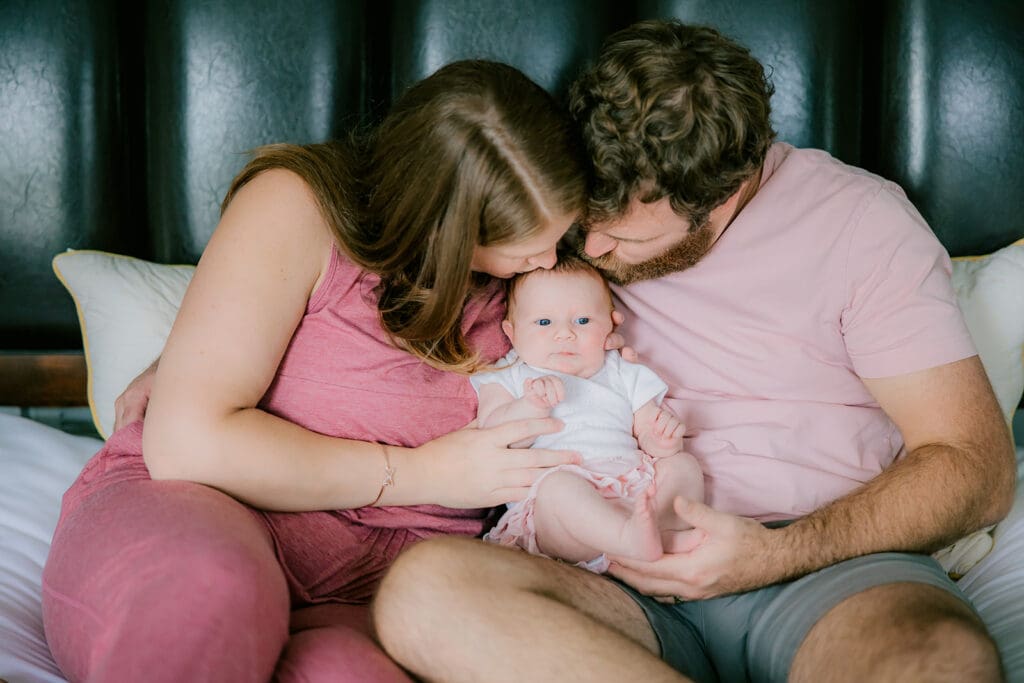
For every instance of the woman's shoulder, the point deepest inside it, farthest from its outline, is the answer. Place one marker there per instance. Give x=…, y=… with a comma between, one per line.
x=275, y=185
x=273, y=231
x=279, y=205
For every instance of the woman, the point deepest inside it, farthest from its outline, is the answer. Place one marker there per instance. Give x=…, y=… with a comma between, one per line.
x=316, y=376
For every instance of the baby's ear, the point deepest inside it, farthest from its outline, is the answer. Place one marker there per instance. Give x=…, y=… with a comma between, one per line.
x=617, y=318
x=508, y=329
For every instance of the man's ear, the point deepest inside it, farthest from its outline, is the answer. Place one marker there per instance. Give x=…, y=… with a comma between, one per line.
x=509, y=330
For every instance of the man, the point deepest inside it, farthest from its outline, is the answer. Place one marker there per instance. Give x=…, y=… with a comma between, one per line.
x=802, y=314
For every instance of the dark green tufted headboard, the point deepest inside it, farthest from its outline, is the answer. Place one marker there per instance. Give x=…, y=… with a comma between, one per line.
x=122, y=123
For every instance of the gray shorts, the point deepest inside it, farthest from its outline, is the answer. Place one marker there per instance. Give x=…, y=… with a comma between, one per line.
x=754, y=636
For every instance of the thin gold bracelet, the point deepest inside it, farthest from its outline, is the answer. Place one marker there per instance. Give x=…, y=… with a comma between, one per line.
x=389, y=476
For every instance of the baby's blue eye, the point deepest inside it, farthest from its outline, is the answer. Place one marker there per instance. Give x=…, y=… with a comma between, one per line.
x=543, y=322
x=582, y=321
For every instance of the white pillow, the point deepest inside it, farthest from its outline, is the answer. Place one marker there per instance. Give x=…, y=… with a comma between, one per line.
x=126, y=307
x=990, y=290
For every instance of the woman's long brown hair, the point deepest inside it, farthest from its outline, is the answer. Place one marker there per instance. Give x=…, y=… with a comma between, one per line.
x=477, y=153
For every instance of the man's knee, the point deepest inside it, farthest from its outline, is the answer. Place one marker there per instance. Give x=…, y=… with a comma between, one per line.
x=436, y=564
x=420, y=592
x=427, y=573
x=954, y=642
x=937, y=646
x=899, y=632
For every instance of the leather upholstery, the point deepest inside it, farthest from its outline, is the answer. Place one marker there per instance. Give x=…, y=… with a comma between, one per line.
x=61, y=153
x=223, y=77
x=950, y=113
x=121, y=124
x=812, y=53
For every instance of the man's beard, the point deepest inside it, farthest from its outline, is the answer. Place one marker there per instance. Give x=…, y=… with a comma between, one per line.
x=680, y=256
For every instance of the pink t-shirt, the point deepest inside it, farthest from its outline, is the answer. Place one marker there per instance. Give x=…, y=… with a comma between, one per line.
x=828, y=275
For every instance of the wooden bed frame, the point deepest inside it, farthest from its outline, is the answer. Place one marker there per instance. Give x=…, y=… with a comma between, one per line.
x=43, y=379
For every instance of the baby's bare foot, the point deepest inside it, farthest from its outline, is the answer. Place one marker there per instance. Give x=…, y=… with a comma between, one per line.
x=640, y=533
x=676, y=541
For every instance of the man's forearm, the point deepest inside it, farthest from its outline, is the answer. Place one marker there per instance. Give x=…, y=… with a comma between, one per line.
x=932, y=497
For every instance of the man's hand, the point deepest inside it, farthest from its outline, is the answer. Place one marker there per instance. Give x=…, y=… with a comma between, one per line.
x=617, y=341
x=721, y=554
x=131, y=405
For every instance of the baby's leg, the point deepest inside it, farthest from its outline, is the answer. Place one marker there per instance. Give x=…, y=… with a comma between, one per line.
x=576, y=523
x=676, y=475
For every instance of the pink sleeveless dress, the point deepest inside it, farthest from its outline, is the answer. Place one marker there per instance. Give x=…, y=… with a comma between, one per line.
x=340, y=376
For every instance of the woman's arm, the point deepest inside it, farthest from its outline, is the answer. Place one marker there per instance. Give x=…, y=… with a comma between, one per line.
x=248, y=294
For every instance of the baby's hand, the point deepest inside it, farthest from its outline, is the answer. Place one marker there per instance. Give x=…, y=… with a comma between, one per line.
x=544, y=392
x=665, y=436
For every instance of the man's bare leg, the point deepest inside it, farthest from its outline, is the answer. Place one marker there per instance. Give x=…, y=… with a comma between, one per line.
x=455, y=609
x=898, y=632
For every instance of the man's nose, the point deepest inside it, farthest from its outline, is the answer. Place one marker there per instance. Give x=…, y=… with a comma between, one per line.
x=598, y=244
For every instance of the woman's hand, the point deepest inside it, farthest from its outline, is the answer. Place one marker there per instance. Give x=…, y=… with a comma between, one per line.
x=473, y=468
x=131, y=405
x=617, y=341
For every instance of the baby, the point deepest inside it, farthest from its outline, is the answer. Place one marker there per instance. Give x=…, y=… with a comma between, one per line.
x=618, y=500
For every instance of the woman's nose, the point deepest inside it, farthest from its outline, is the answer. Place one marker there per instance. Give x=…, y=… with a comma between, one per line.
x=546, y=260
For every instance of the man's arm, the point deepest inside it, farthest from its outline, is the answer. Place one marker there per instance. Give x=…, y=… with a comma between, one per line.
x=958, y=475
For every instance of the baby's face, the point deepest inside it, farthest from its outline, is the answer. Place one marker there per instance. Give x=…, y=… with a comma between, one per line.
x=560, y=322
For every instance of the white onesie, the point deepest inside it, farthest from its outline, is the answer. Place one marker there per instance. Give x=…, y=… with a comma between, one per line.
x=597, y=414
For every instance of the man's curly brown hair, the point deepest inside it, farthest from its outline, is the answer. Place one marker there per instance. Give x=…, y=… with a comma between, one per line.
x=672, y=110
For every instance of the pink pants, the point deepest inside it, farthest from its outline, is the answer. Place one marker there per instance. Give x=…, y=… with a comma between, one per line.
x=173, y=581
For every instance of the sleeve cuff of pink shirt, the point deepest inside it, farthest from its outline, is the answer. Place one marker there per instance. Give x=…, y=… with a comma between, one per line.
x=903, y=362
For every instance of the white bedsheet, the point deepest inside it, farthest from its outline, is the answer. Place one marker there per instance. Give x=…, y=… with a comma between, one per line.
x=37, y=463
